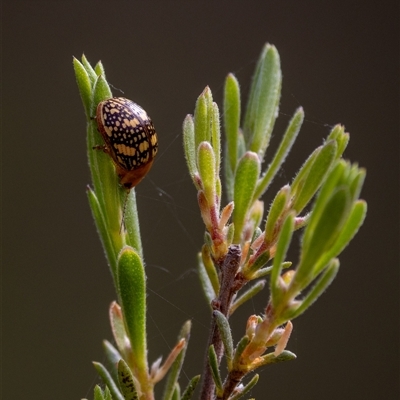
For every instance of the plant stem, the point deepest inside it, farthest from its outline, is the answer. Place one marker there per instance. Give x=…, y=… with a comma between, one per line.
x=228, y=270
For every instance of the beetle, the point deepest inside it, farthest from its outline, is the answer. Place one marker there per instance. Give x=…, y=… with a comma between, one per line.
x=130, y=138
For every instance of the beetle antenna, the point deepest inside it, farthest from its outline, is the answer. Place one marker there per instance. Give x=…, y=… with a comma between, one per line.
x=123, y=212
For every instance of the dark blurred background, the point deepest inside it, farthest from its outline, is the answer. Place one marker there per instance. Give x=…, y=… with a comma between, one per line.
x=340, y=62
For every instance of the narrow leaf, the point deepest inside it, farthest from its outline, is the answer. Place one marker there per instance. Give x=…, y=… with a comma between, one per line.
x=190, y=388
x=210, y=268
x=132, y=294
x=132, y=226
x=348, y=231
x=216, y=136
x=322, y=284
x=102, y=230
x=284, y=239
x=250, y=270
x=126, y=381
x=98, y=393
x=331, y=183
x=267, y=270
x=118, y=329
x=338, y=134
x=326, y=231
x=99, y=69
x=357, y=183
x=107, y=394
x=206, y=165
x=263, y=104
x=89, y=69
x=246, y=389
x=107, y=379
x=284, y=148
x=189, y=147
x=213, y=362
x=177, y=365
x=229, y=178
x=243, y=342
x=247, y=295
x=113, y=357
x=270, y=358
x=177, y=392
x=201, y=127
x=205, y=281
x=316, y=176
x=247, y=173
x=300, y=178
x=278, y=207
x=84, y=86
x=226, y=336
x=101, y=91
x=231, y=120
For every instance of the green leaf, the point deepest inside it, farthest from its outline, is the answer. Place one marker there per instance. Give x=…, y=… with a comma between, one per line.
x=84, y=86
x=226, y=336
x=190, y=148
x=206, y=164
x=205, y=281
x=177, y=392
x=102, y=230
x=98, y=393
x=105, y=180
x=216, y=137
x=113, y=357
x=319, y=169
x=201, y=119
x=101, y=91
x=118, y=329
x=247, y=173
x=230, y=234
x=285, y=146
x=190, y=388
x=348, y=231
x=210, y=268
x=99, y=69
x=246, y=389
x=322, y=284
x=298, y=181
x=107, y=379
x=107, y=394
x=126, y=382
x=333, y=180
x=132, y=227
x=213, y=362
x=229, y=177
x=270, y=358
x=132, y=294
x=243, y=342
x=263, y=104
x=285, y=236
x=250, y=270
x=326, y=232
x=278, y=207
x=231, y=121
x=357, y=182
x=247, y=295
x=342, y=139
x=176, y=367
x=263, y=272
x=89, y=69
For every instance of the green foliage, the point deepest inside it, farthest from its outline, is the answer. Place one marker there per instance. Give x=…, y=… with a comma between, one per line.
x=241, y=245
x=121, y=241
x=330, y=222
